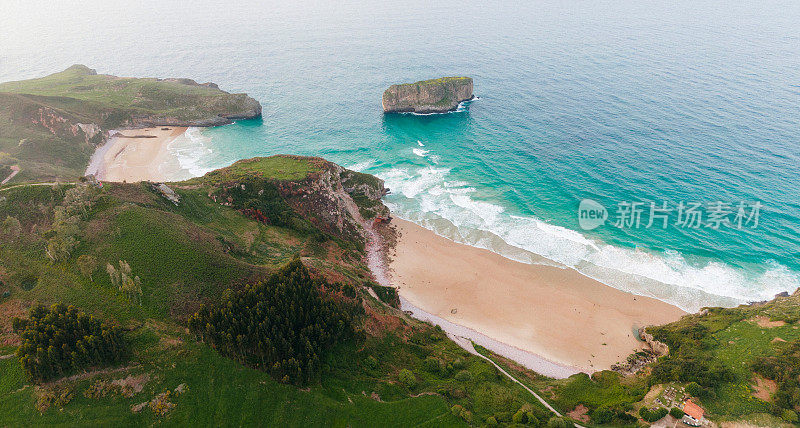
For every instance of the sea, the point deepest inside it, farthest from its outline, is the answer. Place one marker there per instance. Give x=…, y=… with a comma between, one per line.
x=653, y=146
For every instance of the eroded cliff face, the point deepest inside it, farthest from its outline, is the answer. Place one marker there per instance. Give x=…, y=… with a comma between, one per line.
x=338, y=201
x=428, y=96
x=335, y=202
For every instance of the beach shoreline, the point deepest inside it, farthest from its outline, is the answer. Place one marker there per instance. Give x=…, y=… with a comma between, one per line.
x=134, y=155
x=552, y=320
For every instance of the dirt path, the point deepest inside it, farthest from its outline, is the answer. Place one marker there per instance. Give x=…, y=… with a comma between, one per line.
x=33, y=184
x=14, y=171
x=467, y=345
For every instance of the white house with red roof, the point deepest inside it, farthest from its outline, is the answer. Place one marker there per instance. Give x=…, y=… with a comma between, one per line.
x=694, y=415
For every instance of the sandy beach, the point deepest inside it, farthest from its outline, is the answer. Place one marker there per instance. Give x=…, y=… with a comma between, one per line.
x=135, y=155
x=558, y=314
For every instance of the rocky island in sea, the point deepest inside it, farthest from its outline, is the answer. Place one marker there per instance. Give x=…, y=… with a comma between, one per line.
x=428, y=96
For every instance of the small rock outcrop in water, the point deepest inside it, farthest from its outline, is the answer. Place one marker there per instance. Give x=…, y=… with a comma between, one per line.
x=428, y=96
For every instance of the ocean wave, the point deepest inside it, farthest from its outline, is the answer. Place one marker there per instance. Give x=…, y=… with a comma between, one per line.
x=462, y=106
x=361, y=166
x=428, y=196
x=420, y=152
x=191, y=151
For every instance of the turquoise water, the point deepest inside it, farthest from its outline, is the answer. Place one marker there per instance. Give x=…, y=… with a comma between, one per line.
x=619, y=101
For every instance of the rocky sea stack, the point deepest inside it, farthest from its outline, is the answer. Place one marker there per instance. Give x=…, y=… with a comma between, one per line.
x=428, y=96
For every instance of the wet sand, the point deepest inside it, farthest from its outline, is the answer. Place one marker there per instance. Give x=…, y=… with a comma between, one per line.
x=557, y=314
x=135, y=155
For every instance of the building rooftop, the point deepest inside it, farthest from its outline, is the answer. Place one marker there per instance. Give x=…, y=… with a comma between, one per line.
x=693, y=410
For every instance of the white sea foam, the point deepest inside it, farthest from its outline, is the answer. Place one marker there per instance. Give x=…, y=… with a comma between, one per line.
x=361, y=166
x=462, y=106
x=420, y=143
x=191, y=151
x=427, y=196
x=420, y=152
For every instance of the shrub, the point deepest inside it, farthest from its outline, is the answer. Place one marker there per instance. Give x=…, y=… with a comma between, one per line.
x=87, y=265
x=676, y=413
x=463, y=376
x=503, y=416
x=407, y=378
x=652, y=415
x=556, y=422
x=531, y=419
x=602, y=415
x=387, y=295
x=61, y=340
x=789, y=416
x=371, y=362
x=694, y=389
x=784, y=369
x=49, y=396
x=461, y=412
x=491, y=421
x=520, y=417
x=432, y=364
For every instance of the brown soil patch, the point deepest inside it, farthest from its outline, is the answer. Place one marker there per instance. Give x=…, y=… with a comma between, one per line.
x=777, y=339
x=169, y=342
x=90, y=374
x=654, y=392
x=764, y=322
x=579, y=413
x=134, y=384
x=9, y=310
x=765, y=388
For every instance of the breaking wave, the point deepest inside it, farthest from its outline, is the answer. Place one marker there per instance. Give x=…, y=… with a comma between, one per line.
x=428, y=196
x=192, y=151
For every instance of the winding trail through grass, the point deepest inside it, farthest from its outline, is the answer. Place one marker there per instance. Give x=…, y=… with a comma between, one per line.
x=468, y=346
x=14, y=171
x=34, y=184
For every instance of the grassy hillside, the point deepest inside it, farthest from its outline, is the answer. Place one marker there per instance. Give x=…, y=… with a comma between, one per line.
x=396, y=372
x=50, y=126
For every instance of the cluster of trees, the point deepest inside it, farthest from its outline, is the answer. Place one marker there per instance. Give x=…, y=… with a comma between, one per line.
x=284, y=326
x=619, y=414
x=129, y=285
x=62, y=237
x=62, y=340
x=652, y=415
x=691, y=347
x=784, y=369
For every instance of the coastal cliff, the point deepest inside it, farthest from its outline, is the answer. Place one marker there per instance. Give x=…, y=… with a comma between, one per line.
x=428, y=96
x=333, y=199
x=59, y=120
